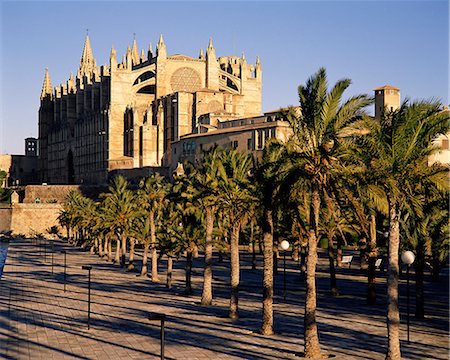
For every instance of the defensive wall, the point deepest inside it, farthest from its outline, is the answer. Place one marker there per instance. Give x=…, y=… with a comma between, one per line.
x=29, y=219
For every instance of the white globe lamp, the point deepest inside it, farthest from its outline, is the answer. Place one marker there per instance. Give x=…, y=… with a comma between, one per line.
x=408, y=257
x=285, y=245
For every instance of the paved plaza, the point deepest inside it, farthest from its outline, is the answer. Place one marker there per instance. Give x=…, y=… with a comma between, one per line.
x=38, y=320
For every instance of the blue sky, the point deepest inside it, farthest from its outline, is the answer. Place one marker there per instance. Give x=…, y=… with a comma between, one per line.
x=402, y=43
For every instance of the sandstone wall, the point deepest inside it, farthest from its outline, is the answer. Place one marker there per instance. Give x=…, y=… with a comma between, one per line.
x=5, y=217
x=29, y=219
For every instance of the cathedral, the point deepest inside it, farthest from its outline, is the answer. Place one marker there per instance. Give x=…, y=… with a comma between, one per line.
x=125, y=116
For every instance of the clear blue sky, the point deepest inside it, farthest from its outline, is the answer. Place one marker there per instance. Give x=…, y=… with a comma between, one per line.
x=402, y=43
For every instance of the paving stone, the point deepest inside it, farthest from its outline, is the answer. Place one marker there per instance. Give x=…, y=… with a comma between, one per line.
x=40, y=321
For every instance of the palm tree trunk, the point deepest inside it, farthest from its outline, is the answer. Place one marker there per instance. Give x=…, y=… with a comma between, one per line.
x=333, y=284
x=188, y=289
x=302, y=262
x=169, y=272
x=234, y=261
x=312, y=346
x=131, y=258
x=435, y=267
x=207, y=294
x=100, y=247
x=153, y=249
x=295, y=251
x=117, y=258
x=372, y=258
x=267, y=324
x=252, y=241
x=124, y=250
x=419, y=266
x=339, y=253
x=109, y=249
x=393, y=315
x=145, y=258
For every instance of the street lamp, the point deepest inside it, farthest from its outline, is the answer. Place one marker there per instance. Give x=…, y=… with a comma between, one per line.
x=284, y=246
x=407, y=258
x=88, y=268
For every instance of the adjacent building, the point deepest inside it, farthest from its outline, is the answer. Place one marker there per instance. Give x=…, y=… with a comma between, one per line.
x=21, y=169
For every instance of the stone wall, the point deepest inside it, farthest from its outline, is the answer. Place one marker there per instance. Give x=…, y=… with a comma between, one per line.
x=29, y=219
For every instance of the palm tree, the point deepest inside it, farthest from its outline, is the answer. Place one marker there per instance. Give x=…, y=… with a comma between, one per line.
x=312, y=153
x=141, y=230
x=204, y=191
x=267, y=176
x=186, y=218
x=424, y=232
x=151, y=196
x=235, y=198
x=400, y=143
x=120, y=210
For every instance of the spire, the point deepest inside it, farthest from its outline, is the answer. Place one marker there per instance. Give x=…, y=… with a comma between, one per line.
x=142, y=55
x=87, y=62
x=201, y=56
x=243, y=56
x=134, y=51
x=210, y=52
x=113, y=52
x=161, y=48
x=46, y=86
x=112, y=58
x=160, y=42
x=150, y=51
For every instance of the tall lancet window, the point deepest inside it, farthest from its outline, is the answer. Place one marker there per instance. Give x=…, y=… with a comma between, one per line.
x=128, y=138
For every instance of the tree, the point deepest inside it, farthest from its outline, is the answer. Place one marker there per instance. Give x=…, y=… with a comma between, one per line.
x=400, y=143
x=119, y=209
x=235, y=199
x=267, y=176
x=186, y=218
x=311, y=153
x=151, y=196
x=205, y=193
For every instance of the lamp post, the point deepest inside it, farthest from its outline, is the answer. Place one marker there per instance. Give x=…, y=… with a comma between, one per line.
x=408, y=258
x=51, y=242
x=88, y=268
x=65, y=265
x=161, y=317
x=284, y=246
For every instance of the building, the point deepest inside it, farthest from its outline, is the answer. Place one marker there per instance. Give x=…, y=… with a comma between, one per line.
x=388, y=97
x=125, y=115
x=21, y=169
x=247, y=134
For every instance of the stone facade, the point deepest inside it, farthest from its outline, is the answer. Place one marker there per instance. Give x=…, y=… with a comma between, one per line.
x=246, y=135
x=29, y=219
x=125, y=115
x=20, y=170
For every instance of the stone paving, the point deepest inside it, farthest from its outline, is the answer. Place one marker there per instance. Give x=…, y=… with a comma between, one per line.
x=38, y=320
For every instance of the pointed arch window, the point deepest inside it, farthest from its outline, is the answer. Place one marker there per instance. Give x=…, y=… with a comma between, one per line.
x=128, y=132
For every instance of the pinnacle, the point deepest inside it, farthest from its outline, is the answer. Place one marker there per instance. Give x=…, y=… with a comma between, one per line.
x=161, y=41
x=47, y=85
x=134, y=51
x=87, y=62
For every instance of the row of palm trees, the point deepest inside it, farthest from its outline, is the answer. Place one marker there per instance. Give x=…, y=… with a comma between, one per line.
x=338, y=173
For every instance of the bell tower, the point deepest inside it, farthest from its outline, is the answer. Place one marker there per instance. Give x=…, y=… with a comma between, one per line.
x=386, y=97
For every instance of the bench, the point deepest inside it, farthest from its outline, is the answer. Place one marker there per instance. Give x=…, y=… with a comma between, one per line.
x=347, y=259
x=378, y=264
